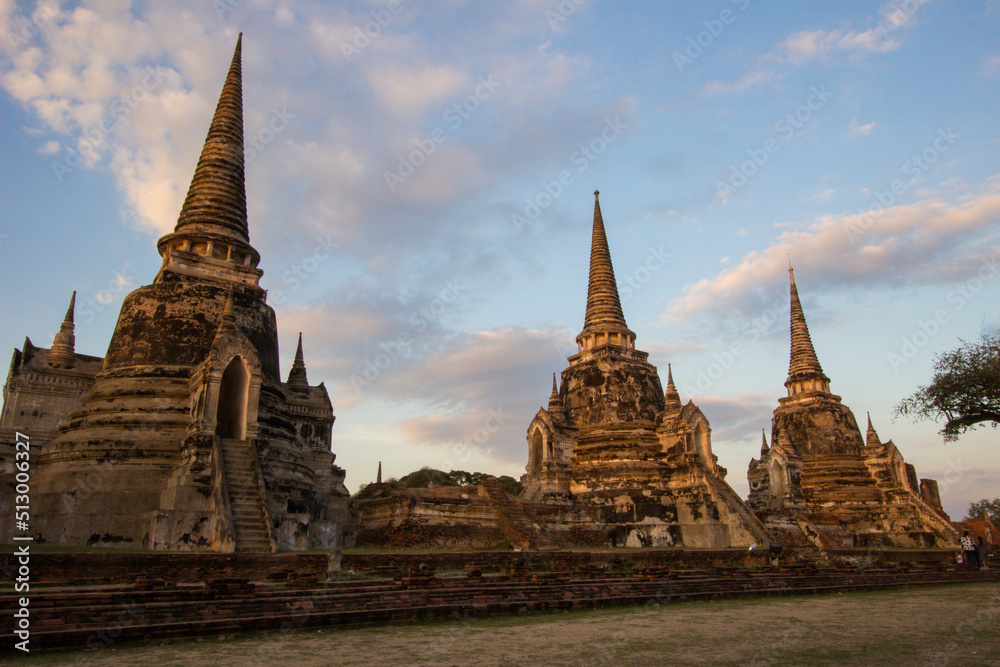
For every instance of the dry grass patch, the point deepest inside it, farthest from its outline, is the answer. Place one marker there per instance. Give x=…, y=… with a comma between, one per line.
x=944, y=625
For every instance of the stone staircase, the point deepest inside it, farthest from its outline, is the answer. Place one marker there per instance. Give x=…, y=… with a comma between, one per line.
x=511, y=517
x=251, y=527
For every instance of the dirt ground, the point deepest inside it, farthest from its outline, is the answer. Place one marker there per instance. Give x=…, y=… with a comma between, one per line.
x=945, y=625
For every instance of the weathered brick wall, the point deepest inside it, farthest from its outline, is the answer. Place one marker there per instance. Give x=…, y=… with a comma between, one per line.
x=95, y=618
x=52, y=568
x=121, y=567
x=496, y=561
x=411, y=534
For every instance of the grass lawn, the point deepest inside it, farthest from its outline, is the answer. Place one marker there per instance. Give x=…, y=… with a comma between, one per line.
x=957, y=624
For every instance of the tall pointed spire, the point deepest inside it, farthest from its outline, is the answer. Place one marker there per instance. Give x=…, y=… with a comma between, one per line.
x=804, y=372
x=62, y=354
x=871, y=437
x=297, y=378
x=378, y=478
x=68, y=319
x=763, y=442
x=604, y=308
x=211, y=240
x=672, y=398
x=556, y=408
x=216, y=199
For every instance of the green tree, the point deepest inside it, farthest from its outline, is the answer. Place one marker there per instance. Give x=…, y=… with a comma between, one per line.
x=420, y=479
x=510, y=485
x=463, y=478
x=964, y=390
x=985, y=509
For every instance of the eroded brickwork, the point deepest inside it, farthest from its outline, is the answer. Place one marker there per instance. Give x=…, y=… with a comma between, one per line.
x=186, y=437
x=613, y=445
x=821, y=482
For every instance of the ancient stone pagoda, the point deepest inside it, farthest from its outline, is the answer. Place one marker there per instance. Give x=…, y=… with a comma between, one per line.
x=822, y=482
x=614, y=443
x=188, y=438
x=43, y=386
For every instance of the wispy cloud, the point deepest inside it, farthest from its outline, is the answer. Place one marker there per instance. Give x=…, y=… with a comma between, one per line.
x=737, y=417
x=809, y=45
x=495, y=380
x=749, y=80
x=910, y=243
x=856, y=129
x=414, y=89
x=826, y=45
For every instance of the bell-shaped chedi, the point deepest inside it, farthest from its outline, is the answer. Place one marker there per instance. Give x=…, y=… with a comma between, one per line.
x=188, y=438
x=614, y=447
x=821, y=468
x=608, y=381
x=814, y=418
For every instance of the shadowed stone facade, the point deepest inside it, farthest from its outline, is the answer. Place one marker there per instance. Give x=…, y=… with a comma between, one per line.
x=612, y=443
x=823, y=483
x=42, y=387
x=185, y=437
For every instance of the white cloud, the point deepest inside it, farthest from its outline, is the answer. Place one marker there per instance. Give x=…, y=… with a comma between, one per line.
x=856, y=129
x=392, y=95
x=806, y=46
x=475, y=382
x=749, y=80
x=737, y=417
x=826, y=196
x=927, y=240
x=406, y=90
x=334, y=40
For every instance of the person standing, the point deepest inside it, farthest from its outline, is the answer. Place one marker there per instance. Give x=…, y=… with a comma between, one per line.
x=971, y=552
x=981, y=549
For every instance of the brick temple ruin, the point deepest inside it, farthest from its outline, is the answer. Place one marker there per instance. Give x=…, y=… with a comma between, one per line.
x=612, y=461
x=616, y=461
x=822, y=483
x=183, y=437
x=614, y=442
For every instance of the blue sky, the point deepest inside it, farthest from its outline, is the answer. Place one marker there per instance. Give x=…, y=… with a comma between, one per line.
x=420, y=179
